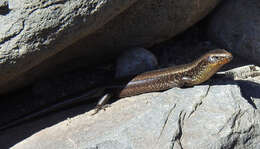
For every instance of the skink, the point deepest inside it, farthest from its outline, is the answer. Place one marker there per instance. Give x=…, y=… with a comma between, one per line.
x=190, y=74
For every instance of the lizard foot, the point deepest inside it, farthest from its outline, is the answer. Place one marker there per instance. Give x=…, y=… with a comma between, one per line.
x=103, y=107
x=102, y=103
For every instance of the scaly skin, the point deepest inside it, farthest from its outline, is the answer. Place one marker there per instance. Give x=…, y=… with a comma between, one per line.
x=190, y=74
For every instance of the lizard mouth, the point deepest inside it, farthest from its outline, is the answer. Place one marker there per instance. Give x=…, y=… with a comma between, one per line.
x=227, y=58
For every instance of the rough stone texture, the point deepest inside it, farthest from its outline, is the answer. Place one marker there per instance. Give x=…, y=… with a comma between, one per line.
x=235, y=26
x=3, y=4
x=33, y=31
x=244, y=72
x=204, y=117
x=135, y=61
x=36, y=29
x=4, y=8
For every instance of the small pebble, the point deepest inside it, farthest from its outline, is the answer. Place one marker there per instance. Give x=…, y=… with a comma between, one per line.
x=135, y=61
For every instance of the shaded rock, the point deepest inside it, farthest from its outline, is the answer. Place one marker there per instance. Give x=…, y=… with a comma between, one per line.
x=135, y=61
x=34, y=34
x=249, y=80
x=36, y=30
x=3, y=4
x=235, y=26
x=4, y=8
x=215, y=116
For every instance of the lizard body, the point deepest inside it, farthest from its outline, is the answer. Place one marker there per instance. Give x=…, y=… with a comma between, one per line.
x=196, y=72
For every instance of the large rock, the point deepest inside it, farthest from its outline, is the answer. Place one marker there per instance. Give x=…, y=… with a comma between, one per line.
x=223, y=115
x=235, y=26
x=33, y=31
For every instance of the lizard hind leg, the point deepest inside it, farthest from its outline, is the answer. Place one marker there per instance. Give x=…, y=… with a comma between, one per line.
x=102, y=103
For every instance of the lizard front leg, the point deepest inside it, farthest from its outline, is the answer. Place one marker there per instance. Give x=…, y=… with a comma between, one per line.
x=102, y=103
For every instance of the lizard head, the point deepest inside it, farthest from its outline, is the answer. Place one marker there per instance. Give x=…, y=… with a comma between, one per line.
x=210, y=63
x=218, y=57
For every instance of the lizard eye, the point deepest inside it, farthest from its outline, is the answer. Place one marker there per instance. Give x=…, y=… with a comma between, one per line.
x=217, y=57
x=213, y=59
